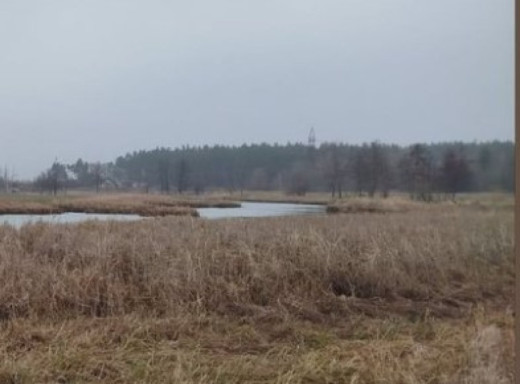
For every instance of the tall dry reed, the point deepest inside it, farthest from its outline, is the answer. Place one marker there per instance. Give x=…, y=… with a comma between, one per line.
x=310, y=267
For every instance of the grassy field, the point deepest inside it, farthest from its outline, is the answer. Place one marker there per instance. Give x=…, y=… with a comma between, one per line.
x=417, y=296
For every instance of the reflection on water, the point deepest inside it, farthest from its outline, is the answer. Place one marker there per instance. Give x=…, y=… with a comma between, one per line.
x=19, y=220
x=250, y=209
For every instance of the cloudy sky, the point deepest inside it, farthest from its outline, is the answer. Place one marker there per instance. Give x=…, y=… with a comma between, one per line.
x=96, y=79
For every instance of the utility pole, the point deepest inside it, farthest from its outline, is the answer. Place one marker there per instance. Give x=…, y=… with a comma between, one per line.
x=312, y=138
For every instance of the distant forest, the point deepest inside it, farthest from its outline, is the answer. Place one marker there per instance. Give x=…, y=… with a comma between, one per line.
x=422, y=170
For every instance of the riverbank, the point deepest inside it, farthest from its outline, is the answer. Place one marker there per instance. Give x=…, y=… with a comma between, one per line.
x=138, y=204
x=408, y=297
x=396, y=202
x=186, y=205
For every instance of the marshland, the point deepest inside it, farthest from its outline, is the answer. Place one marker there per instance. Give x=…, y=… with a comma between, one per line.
x=256, y=192
x=399, y=271
x=339, y=264
x=407, y=293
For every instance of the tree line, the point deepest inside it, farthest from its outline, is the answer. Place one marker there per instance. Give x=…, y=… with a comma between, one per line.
x=422, y=170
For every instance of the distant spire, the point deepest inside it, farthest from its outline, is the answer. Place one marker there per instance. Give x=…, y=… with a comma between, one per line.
x=312, y=138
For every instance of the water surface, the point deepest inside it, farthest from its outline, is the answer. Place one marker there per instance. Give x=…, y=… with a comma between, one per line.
x=251, y=209
x=248, y=209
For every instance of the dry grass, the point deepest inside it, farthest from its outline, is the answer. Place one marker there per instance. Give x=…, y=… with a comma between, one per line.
x=487, y=201
x=402, y=298
x=191, y=348
x=402, y=203
x=140, y=204
x=318, y=264
x=378, y=205
x=143, y=205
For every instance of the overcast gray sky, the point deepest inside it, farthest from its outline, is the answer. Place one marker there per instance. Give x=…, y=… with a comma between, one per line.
x=96, y=79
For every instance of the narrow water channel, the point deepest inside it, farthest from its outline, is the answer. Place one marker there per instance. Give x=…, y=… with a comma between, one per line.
x=247, y=210
x=253, y=209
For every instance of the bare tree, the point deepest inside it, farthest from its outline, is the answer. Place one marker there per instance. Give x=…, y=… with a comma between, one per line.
x=418, y=172
x=6, y=180
x=98, y=175
x=334, y=169
x=454, y=173
x=163, y=170
x=360, y=169
x=374, y=167
x=198, y=182
x=298, y=180
x=378, y=171
x=182, y=175
x=53, y=179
